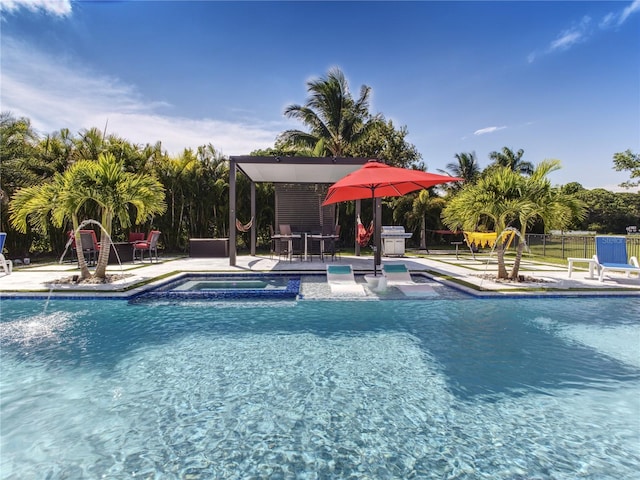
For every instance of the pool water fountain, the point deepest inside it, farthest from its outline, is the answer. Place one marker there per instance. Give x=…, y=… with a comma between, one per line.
x=83, y=224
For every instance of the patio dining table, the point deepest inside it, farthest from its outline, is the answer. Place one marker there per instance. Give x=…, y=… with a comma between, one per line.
x=322, y=239
x=289, y=239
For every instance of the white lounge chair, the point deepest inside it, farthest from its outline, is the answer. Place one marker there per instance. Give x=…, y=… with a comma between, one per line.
x=6, y=265
x=397, y=275
x=342, y=281
x=611, y=255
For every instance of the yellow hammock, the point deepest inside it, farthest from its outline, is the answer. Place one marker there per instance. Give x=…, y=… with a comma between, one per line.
x=488, y=239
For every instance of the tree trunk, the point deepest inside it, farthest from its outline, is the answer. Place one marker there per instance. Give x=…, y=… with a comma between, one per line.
x=423, y=234
x=105, y=246
x=516, y=264
x=82, y=264
x=502, y=270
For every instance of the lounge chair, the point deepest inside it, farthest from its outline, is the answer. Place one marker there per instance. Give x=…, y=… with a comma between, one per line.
x=397, y=275
x=150, y=245
x=6, y=265
x=342, y=281
x=611, y=255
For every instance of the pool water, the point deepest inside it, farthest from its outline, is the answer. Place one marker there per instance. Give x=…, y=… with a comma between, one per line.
x=428, y=389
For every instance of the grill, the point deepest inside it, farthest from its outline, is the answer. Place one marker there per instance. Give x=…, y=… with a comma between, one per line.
x=393, y=238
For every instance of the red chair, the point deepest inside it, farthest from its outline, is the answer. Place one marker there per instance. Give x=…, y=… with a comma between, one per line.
x=136, y=237
x=149, y=245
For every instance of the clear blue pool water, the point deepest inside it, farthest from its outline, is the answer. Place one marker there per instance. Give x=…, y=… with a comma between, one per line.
x=427, y=389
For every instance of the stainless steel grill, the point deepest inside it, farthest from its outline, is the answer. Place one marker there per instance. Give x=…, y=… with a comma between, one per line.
x=393, y=240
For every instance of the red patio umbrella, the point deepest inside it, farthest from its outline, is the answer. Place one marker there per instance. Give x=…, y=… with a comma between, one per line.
x=375, y=180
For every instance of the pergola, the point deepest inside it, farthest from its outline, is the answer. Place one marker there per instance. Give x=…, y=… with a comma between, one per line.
x=282, y=169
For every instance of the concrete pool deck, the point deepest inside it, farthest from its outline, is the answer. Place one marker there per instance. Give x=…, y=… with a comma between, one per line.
x=464, y=272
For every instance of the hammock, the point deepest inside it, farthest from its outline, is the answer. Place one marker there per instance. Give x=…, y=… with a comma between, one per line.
x=475, y=240
x=244, y=228
x=488, y=239
x=364, y=234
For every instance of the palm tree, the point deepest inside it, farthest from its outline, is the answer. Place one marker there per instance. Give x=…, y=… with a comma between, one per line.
x=90, y=144
x=466, y=167
x=423, y=204
x=58, y=200
x=335, y=120
x=512, y=160
x=104, y=183
x=553, y=206
x=506, y=198
x=115, y=190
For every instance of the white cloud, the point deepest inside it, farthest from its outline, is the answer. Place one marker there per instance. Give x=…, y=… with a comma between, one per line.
x=570, y=37
x=566, y=40
x=581, y=32
x=55, y=95
x=486, y=130
x=634, y=7
x=59, y=8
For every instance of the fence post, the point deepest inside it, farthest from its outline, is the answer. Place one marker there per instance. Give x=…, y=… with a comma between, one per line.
x=544, y=244
x=584, y=247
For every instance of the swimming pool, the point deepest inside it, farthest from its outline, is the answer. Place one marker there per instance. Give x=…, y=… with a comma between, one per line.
x=439, y=388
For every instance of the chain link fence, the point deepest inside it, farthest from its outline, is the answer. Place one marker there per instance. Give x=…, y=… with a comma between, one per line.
x=582, y=246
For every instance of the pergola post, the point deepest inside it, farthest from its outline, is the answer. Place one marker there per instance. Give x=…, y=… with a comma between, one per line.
x=254, y=225
x=232, y=212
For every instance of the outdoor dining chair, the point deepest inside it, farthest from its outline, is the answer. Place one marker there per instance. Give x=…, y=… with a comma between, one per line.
x=149, y=245
x=90, y=246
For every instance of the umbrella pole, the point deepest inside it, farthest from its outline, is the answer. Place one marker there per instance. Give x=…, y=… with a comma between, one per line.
x=375, y=244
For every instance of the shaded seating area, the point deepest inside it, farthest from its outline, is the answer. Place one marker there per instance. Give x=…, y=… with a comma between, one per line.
x=150, y=245
x=300, y=185
x=611, y=255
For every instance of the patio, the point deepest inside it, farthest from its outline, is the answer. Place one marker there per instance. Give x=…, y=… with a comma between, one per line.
x=36, y=280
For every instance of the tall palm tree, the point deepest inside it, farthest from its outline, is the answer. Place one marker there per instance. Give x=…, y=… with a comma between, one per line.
x=334, y=118
x=466, y=167
x=90, y=144
x=423, y=205
x=508, y=198
x=512, y=160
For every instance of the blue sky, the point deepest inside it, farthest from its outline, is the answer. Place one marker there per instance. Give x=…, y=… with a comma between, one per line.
x=557, y=79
